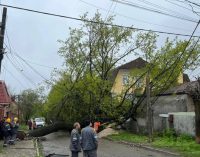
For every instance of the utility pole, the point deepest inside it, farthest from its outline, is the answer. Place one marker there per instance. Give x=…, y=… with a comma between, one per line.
x=148, y=101
x=149, y=116
x=2, y=32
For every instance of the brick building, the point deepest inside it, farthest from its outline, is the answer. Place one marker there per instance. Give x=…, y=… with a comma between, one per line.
x=5, y=100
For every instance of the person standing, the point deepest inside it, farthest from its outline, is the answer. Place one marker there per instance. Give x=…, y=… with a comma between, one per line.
x=89, y=141
x=29, y=124
x=6, y=131
x=15, y=127
x=34, y=126
x=97, y=124
x=75, y=145
x=1, y=127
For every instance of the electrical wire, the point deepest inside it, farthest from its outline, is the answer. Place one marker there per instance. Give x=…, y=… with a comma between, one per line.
x=14, y=76
x=172, y=2
x=19, y=70
x=154, y=11
x=10, y=47
x=33, y=69
x=163, y=8
x=38, y=64
x=91, y=21
x=196, y=4
x=131, y=18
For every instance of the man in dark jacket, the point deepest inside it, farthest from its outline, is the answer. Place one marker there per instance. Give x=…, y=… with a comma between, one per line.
x=89, y=141
x=75, y=144
x=1, y=128
x=15, y=126
x=6, y=131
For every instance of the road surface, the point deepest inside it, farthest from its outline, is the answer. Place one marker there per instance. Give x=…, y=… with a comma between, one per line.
x=59, y=143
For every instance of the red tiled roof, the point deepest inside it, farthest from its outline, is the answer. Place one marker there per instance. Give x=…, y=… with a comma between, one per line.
x=4, y=96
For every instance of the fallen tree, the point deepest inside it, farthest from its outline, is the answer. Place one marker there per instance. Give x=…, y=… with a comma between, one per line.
x=50, y=129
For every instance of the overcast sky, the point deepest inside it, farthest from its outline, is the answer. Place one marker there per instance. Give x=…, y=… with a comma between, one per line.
x=34, y=36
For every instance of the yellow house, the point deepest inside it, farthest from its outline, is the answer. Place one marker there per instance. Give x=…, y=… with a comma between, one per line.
x=128, y=73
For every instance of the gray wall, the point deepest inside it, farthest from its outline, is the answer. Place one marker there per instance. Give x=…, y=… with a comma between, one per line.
x=164, y=105
x=184, y=123
x=171, y=103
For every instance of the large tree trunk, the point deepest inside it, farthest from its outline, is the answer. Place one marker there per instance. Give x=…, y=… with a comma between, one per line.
x=49, y=129
x=197, y=120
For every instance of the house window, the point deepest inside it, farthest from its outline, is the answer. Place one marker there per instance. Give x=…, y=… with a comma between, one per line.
x=139, y=83
x=129, y=96
x=125, y=80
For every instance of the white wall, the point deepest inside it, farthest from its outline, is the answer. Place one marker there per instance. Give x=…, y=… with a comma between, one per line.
x=184, y=122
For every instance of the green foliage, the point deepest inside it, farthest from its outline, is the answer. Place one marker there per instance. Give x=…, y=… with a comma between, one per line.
x=183, y=144
x=167, y=63
x=23, y=127
x=30, y=104
x=83, y=88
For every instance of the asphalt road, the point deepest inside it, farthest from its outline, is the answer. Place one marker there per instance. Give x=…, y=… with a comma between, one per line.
x=59, y=143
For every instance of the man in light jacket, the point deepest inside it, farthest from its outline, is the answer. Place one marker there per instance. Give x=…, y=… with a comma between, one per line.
x=75, y=145
x=89, y=141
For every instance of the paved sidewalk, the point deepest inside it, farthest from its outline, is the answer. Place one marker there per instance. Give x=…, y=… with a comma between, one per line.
x=21, y=149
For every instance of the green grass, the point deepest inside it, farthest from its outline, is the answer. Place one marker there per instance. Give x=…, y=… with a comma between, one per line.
x=183, y=144
x=129, y=137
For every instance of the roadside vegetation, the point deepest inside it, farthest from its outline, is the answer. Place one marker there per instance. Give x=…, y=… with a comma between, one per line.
x=23, y=127
x=183, y=144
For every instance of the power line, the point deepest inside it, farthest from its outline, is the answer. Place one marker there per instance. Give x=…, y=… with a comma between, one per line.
x=14, y=76
x=38, y=64
x=32, y=68
x=109, y=11
x=171, y=1
x=154, y=10
x=10, y=47
x=14, y=60
x=192, y=4
x=20, y=71
x=163, y=8
x=131, y=18
x=91, y=21
x=196, y=4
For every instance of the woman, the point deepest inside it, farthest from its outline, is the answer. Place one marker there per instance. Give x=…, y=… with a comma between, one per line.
x=75, y=145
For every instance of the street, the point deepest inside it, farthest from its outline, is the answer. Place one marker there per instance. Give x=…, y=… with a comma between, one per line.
x=58, y=143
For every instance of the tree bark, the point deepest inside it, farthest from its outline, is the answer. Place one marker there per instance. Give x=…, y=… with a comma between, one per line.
x=197, y=120
x=50, y=129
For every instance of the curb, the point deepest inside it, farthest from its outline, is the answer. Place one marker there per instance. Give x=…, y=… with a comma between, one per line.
x=143, y=147
x=37, y=148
